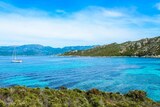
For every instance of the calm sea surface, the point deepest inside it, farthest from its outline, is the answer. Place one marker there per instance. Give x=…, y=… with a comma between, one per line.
x=107, y=74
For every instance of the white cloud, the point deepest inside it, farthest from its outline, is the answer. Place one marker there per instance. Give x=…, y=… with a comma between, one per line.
x=157, y=6
x=60, y=11
x=93, y=25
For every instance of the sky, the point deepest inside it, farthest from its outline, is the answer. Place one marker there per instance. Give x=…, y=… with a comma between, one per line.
x=60, y=23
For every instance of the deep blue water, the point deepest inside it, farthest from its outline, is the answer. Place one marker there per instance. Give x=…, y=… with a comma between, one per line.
x=104, y=73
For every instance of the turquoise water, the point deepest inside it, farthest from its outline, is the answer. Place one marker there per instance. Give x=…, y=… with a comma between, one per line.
x=104, y=73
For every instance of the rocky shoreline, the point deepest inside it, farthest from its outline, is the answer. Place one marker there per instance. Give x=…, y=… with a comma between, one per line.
x=158, y=56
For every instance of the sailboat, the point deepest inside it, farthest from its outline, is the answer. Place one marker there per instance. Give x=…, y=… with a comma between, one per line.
x=14, y=57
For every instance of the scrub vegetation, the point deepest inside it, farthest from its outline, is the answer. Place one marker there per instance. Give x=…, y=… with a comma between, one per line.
x=143, y=47
x=18, y=96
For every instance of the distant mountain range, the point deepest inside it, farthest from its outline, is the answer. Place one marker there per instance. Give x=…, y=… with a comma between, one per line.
x=143, y=47
x=34, y=49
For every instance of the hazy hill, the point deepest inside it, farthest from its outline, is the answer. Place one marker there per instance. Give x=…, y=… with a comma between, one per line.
x=143, y=47
x=35, y=49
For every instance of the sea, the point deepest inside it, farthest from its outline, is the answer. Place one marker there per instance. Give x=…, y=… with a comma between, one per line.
x=110, y=74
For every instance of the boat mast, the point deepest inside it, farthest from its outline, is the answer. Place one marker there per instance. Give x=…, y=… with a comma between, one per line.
x=14, y=57
x=14, y=54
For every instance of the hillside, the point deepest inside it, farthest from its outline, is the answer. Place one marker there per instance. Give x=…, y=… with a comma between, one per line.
x=36, y=97
x=143, y=47
x=35, y=49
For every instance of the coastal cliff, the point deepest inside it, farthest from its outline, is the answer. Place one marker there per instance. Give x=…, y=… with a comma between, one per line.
x=144, y=47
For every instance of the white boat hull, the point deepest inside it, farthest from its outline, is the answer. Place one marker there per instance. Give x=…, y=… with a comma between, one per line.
x=16, y=61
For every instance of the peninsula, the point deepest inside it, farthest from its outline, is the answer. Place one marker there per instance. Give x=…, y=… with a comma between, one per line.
x=148, y=47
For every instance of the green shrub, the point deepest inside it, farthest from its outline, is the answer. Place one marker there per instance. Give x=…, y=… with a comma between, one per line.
x=137, y=95
x=63, y=88
x=36, y=97
x=2, y=104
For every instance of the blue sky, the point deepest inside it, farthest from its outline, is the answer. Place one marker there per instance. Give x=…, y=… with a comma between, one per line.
x=61, y=23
